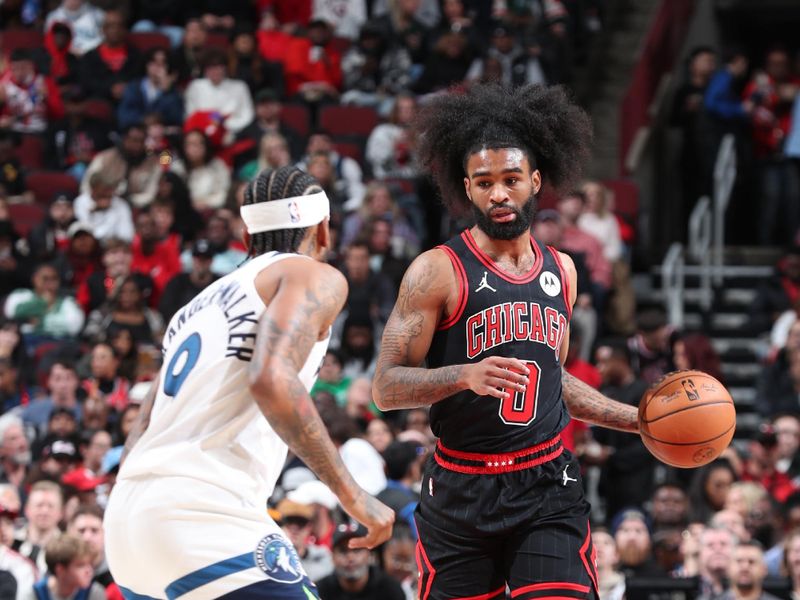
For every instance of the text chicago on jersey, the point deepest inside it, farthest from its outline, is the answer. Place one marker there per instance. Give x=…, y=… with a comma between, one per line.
x=241, y=336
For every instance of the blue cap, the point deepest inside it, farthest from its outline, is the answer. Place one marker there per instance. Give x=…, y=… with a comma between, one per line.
x=111, y=460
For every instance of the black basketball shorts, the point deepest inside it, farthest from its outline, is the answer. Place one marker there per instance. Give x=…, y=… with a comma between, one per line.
x=518, y=519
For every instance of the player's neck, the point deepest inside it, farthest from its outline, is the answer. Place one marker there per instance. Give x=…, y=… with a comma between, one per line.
x=515, y=251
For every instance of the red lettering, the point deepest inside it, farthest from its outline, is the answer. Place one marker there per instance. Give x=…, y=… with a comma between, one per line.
x=537, y=327
x=551, y=316
x=494, y=334
x=522, y=327
x=475, y=340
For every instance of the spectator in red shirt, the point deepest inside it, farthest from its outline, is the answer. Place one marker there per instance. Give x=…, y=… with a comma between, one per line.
x=154, y=255
x=273, y=41
x=287, y=12
x=772, y=93
x=313, y=67
x=106, y=70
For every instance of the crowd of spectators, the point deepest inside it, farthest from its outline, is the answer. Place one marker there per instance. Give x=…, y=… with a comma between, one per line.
x=753, y=97
x=155, y=114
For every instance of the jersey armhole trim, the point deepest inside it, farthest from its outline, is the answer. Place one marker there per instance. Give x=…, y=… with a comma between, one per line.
x=463, y=291
x=564, y=280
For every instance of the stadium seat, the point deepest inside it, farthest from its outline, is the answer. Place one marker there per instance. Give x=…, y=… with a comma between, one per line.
x=145, y=40
x=626, y=197
x=348, y=120
x=297, y=117
x=31, y=151
x=351, y=149
x=21, y=38
x=99, y=109
x=45, y=184
x=217, y=40
x=25, y=216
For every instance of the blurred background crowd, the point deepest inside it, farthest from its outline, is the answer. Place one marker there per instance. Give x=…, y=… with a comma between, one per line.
x=128, y=132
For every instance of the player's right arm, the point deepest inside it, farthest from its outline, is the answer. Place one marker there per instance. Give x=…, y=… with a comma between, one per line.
x=401, y=380
x=304, y=300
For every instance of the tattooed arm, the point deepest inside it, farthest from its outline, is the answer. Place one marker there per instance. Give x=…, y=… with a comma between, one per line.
x=583, y=401
x=304, y=299
x=587, y=404
x=142, y=421
x=428, y=291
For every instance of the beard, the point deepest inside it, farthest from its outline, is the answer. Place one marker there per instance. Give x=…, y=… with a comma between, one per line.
x=506, y=231
x=633, y=555
x=22, y=459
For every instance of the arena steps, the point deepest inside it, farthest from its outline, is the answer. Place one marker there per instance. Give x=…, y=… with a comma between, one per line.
x=728, y=323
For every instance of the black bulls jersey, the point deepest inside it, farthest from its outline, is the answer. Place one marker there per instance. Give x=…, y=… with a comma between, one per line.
x=499, y=314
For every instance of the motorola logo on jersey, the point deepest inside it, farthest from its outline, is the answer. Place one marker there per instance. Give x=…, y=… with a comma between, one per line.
x=551, y=284
x=514, y=321
x=278, y=559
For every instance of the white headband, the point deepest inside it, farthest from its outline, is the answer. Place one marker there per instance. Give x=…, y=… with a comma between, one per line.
x=287, y=213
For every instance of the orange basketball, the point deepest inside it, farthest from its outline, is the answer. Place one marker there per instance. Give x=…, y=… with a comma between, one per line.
x=687, y=418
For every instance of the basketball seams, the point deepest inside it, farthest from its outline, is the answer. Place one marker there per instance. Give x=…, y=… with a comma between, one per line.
x=678, y=410
x=670, y=379
x=696, y=443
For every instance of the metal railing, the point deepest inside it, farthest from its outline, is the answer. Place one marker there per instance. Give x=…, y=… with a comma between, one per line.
x=724, y=180
x=700, y=238
x=706, y=240
x=673, y=282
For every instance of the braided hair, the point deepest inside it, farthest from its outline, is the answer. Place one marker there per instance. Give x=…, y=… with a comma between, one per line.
x=276, y=184
x=542, y=121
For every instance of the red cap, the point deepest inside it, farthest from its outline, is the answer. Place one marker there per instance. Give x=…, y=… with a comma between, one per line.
x=82, y=480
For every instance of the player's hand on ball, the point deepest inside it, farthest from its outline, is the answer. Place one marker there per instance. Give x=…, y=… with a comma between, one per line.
x=496, y=376
x=375, y=516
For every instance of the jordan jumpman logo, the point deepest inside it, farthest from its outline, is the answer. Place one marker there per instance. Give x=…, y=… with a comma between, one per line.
x=484, y=285
x=566, y=478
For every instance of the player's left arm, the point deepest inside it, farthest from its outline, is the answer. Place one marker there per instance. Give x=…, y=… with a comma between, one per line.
x=142, y=421
x=583, y=401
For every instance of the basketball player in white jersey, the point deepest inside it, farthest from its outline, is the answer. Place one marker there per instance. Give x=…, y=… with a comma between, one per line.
x=187, y=518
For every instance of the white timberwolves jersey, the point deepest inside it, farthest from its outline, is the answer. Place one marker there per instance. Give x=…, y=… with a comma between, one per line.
x=205, y=424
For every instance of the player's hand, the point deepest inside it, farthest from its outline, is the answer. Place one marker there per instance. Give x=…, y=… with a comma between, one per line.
x=375, y=516
x=493, y=375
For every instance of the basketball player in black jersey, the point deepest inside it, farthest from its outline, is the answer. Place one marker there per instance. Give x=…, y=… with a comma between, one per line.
x=487, y=314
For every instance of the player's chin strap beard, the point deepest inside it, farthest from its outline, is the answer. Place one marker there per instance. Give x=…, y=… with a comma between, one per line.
x=297, y=212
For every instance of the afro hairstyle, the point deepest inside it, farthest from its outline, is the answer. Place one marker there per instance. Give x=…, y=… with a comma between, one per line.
x=543, y=121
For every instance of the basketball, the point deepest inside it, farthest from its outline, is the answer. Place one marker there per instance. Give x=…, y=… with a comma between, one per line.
x=686, y=419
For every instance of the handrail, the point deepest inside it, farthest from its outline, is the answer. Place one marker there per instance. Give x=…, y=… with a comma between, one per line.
x=724, y=180
x=672, y=282
x=700, y=238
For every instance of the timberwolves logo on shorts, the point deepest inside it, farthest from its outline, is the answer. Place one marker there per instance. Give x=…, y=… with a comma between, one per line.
x=278, y=559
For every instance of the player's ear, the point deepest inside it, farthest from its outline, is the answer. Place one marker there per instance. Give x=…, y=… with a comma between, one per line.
x=466, y=187
x=536, y=180
x=246, y=239
x=323, y=234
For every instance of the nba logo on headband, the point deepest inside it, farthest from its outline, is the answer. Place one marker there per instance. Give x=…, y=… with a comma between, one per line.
x=294, y=212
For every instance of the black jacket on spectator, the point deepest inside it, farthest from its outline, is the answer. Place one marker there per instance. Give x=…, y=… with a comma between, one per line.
x=162, y=12
x=627, y=477
x=380, y=585
x=179, y=291
x=771, y=300
x=12, y=177
x=259, y=75
x=97, y=78
x=70, y=142
x=775, y=390
x=96, y=284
